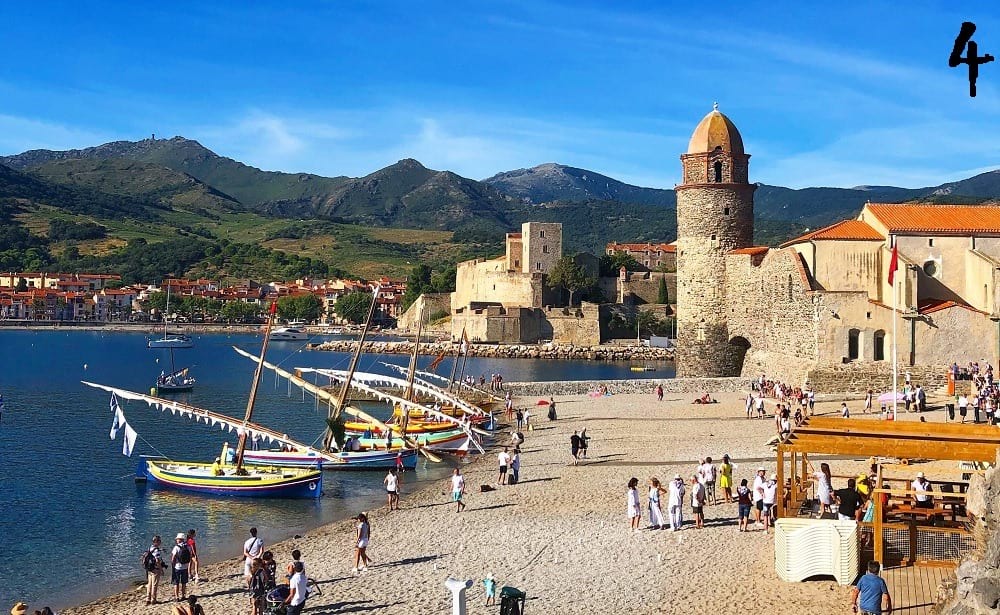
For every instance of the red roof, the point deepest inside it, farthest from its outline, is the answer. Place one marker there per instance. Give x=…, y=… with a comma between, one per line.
x=937, y=219
x=931, y=305
x=641, y=247
x=753, y=250
x=845, y=230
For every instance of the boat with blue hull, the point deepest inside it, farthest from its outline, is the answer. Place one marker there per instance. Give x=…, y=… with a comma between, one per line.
x=270, y=482
x=342, y=460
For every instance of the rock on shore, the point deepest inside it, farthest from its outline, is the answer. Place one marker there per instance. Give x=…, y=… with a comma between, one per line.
x=513, y=351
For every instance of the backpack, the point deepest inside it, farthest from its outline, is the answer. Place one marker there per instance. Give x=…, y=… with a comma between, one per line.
x=184, y=555
x=258, y=584
x=149, y=563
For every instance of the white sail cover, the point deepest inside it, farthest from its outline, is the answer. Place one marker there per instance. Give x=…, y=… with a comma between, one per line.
x=371, y=378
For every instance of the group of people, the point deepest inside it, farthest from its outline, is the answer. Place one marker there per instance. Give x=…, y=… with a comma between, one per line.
x=260, y=572
x=578, y=445
x=670, y=514
x=183, y=565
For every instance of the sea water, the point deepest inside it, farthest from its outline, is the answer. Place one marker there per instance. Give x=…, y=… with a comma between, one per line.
x=73, y=523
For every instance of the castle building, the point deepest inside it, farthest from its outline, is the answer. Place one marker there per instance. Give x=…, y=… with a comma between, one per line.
x=819, y=308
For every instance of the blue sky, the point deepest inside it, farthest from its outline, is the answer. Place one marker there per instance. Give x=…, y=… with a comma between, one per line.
x=827, y=96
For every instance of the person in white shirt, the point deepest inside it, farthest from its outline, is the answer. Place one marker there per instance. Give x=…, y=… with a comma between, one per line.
x=458, y=490
x=698, y=502
x=844, y=411
x=252, y=549
x=391, y=481
x=503, y=459
x=298, y=591
x=769, y=492
x=675, y=502
x=923, y=497
x=758, y=495
x=706, y=476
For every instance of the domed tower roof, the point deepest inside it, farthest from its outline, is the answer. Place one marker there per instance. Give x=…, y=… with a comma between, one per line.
x=713, y=131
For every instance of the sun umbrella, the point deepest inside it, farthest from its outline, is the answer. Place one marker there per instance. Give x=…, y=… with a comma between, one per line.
x=542, y=402
x=887, y=397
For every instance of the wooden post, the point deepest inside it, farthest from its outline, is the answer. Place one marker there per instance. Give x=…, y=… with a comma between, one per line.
x=878, y=546
x=793, y=501
x=781, y=481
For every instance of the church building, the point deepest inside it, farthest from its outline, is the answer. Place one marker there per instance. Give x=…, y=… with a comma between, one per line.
x=820, y=307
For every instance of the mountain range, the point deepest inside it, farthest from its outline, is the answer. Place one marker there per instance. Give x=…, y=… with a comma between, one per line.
x=155, y=187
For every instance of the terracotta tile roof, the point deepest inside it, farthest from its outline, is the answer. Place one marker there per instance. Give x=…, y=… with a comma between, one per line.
x=930, y=305
x=641, y=247
x=937, y=219
x=845, y=230
x=753, y=250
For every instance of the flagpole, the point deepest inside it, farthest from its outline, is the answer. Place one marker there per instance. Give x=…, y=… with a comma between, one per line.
x=895, y=300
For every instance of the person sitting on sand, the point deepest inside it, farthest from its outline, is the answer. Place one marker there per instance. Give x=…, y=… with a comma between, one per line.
x=191, y=608
x=705, y=399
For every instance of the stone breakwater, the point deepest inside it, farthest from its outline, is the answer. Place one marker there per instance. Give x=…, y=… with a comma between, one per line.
x=514, y=351
x=688, y=386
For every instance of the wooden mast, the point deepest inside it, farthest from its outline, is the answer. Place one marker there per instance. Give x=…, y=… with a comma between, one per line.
x=335, y=411
x=454, y=368
x=253, y=388
x=405, y=412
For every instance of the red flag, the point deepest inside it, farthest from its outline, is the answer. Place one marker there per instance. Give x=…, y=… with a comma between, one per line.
x=893, y=265
x=274, y=304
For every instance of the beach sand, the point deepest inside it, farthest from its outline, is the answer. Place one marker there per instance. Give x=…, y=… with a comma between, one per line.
x=561, y=534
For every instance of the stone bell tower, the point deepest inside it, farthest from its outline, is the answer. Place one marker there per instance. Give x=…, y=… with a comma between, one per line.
x=714, y=216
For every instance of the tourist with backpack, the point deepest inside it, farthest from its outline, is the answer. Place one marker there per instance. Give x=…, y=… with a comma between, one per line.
x=180, y=557
x=258, y=587
x=152, y=563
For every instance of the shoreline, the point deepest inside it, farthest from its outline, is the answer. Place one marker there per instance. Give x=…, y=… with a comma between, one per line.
x=560, y=534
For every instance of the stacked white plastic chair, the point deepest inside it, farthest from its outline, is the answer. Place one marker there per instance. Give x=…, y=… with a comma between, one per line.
x=806, y=548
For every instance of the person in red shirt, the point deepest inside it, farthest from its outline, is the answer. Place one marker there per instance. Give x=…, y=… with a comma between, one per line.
x=193, y=548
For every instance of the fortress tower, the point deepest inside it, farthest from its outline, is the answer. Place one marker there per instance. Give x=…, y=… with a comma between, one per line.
x=714, y=216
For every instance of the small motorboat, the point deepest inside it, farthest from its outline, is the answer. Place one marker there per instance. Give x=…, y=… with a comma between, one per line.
x=643, y=368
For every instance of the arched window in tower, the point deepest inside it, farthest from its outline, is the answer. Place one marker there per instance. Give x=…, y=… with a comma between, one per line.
x=718, y=171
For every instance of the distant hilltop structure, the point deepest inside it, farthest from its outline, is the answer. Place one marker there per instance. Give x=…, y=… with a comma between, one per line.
x=818, y=308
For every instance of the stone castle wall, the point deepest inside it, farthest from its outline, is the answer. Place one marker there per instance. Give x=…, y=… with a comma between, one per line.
x=577, y=326
x=430, y=302
x=540, y=254
x=688, y=386
x=859, y=376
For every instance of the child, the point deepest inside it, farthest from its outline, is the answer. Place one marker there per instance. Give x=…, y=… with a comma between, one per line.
x=490, y=584
x=844, y=412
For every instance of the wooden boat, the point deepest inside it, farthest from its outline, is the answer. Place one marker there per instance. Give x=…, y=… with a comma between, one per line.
x=452, y=441
x=265, y=482
x=177, y=381
x=342, y=460
x=643, y=368
x=234, y=480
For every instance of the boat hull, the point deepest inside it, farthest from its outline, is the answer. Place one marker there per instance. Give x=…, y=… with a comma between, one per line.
x=455, y=441
x=164, y=389
x=196, y=477
x=170, y=343
x=346, y=460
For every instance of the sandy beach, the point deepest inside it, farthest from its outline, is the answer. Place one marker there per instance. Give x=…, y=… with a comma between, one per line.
x=561, y=534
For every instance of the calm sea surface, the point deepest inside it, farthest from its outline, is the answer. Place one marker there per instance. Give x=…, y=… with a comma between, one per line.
x=70, y=513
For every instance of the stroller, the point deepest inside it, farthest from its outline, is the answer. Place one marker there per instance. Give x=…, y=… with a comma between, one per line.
x=275, y=600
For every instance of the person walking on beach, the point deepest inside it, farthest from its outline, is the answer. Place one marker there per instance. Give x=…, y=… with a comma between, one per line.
x=768, y=494
x=364, y=531
x=515, y=467
x=583, y=442
x=152, y=563
x=659, y=392
x=574, y=445
x=870, y=595
x=253, y=548
x=656, y=490
x=180, y=557
x=519, y=415
x=552, y=409
x=633, y=508
x=503, y=459
x=391, y=482
x=726, y=478
x=675, y=502
x=698, y=502
x=844, y=410
x=868, y=401
x=193, y=547
x=458, y=490
x=745, y=502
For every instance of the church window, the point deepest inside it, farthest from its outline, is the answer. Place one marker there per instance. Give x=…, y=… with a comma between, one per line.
x=718, y=171
x=538, y=266
x=930, y=268
x=879, y=350
x=853, y=344
x=541, y=234
x=545, y=249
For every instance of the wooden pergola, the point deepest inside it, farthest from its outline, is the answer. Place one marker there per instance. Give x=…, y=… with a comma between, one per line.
x=859, y=438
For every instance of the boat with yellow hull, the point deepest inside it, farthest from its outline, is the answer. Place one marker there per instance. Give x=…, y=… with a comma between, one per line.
x=257, y=482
